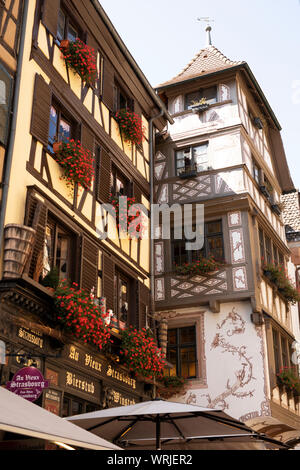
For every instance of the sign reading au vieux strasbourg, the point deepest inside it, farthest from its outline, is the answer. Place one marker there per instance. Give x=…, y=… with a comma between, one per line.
x=28, y=383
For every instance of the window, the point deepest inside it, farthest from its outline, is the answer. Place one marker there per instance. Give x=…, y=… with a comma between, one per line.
x=61, y=127
x=256, y=173
x=73, y=406
x=58, y=250
x=66, y=28
x=121, y=99
x=268, y=250
x=192, y=159
x=283, y=351
x=120, y=184
x=213, y=245
x=181, y=352
x=5, y=100
x=210, y=95
x=122, y=288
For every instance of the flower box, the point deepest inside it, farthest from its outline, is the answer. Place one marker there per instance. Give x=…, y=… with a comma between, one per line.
x=200, y=266
x=289, y=378
x=141, y=354
x=76, y=311
x=76, y=161
x=278, y=276
x=200, y=108
x=130, y=125
x=81, y=59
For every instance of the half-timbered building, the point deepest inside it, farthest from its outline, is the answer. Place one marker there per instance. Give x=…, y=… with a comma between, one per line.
x=228, y=331
x=64, y=223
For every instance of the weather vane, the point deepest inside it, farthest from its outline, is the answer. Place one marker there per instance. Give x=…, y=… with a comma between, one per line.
x=207, y=20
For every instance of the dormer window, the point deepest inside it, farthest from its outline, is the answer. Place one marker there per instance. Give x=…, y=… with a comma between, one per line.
x=207, y=94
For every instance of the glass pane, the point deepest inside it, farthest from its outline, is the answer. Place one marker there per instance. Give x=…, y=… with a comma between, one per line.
x=200, y=157
x=66, y=408
x=191, y=99
x=61, y=26
x=52, y=128
x=215, y=247
x=62, y=252
x=213, y=227
x=64, y=131
x=5, y=85
x=76, y=407
x=187, y=335
x=123, y=300
x=172, y=337
x=210, y=94
x=72, y=33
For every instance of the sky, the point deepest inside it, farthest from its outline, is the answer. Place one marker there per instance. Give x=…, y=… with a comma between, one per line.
x=164, y=35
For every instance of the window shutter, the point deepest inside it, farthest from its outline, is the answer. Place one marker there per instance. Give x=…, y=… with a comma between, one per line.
x=50, y=15
x=108, y=275
x=41, y=110
x=108, y=85
x=104, y=187
x=36, y=217
x=144, y=304
x=137, y=193
x=87, y=139
x=89, y=264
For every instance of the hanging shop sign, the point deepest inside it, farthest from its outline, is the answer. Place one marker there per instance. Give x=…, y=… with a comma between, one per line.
x=28, y=383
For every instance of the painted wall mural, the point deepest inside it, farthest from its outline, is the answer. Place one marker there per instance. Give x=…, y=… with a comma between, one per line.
x=235, y=365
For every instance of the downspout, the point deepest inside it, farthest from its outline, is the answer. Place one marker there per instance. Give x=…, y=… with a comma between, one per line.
x=152, y=287
x=10, y=147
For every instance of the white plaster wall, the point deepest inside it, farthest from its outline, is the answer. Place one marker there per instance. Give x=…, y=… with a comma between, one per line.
x=235, y=364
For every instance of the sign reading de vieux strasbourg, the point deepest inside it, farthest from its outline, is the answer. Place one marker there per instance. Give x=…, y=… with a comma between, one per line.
x=28, y=383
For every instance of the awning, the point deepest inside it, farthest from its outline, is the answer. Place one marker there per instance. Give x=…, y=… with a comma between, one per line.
x=20, y=416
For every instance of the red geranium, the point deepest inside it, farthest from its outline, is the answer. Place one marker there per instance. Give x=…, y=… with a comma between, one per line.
x=81, y=59
x=79, y=315
x=131, y=126
x=141, y=354
x=77, y=163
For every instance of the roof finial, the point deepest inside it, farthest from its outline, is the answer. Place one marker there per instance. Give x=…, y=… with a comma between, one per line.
x=208, y=29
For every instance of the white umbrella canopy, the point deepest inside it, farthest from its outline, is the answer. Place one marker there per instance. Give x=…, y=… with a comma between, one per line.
x=20, y=416
x=160, y=423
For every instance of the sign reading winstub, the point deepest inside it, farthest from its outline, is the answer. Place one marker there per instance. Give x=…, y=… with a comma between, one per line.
x=28, y=383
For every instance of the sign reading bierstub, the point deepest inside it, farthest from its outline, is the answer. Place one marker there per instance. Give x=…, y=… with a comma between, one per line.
x=28, y=383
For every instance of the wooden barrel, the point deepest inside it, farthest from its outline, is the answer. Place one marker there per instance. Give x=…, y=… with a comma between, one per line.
x=18, y=240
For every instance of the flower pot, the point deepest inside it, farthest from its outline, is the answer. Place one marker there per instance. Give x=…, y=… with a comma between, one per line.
x=18, y=241
x=57, y=147
x=64, y=44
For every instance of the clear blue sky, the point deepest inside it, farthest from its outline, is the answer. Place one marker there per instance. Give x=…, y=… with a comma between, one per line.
x=164, y=35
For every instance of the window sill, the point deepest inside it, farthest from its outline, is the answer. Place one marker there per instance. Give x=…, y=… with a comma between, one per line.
x=190, y=111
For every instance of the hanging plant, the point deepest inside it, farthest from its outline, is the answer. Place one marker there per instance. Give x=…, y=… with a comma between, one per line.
x=289, y=377
x=81, y=59
x=76, y=311
x=131, y=126
x=200, y=266
x=171, y=385
x=141, y=354
x=122, y=215
x=76, y=161
x=278, y=275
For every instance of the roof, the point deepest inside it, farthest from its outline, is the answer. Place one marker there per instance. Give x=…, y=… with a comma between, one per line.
x=207, y=61
x=291, y=212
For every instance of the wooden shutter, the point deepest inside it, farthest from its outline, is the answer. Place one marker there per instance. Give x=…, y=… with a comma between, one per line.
x=50, y=15
x=108, y=278
x=87, y=139
x=143, y=304
x=36, y=217
x=108, y=85
x=137, y=193
x=89, y=264
x=41, y=110
x=104, y=187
